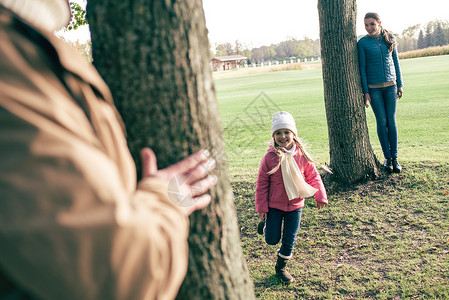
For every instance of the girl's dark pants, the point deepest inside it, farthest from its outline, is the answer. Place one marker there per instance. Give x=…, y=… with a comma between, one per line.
x=274, y=230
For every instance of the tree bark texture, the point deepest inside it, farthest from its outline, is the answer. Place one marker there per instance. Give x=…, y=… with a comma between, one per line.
x=351, y=154
x=154, y=55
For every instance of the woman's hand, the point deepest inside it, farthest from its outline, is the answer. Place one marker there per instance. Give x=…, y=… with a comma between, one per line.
x=262, y=216
x=367, y=100
x=400, y=92
x=188, y=180
x=320, y=205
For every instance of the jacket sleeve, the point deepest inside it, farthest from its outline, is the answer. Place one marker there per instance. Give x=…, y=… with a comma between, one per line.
x=262, y=187
x=72, y=225
x=312, y=177
x=397, y=67
x=362, y=66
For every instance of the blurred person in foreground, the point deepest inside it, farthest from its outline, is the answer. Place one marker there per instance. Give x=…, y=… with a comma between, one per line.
x=73, y=222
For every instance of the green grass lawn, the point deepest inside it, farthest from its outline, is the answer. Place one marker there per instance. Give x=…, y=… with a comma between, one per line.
x=384, y=239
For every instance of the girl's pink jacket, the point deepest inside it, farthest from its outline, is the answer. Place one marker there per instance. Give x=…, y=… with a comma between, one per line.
x=270, y=190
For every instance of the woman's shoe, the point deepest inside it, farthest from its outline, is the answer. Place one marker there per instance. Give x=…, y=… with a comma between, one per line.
x=388, y=165
x=396, y=166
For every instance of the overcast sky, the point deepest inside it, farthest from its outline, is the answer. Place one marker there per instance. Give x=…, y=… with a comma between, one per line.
x=264, y=22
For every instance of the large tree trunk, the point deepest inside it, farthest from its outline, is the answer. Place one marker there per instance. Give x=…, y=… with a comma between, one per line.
x=351, y=155
x=154, y=56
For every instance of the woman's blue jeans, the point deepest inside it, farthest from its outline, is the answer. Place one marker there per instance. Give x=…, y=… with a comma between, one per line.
x=383, y=102
x=274, y=230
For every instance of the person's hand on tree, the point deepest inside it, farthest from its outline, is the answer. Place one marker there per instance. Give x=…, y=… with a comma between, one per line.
x=188, y=180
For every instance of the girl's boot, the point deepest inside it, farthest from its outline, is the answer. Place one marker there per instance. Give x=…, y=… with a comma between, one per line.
x=281, y=272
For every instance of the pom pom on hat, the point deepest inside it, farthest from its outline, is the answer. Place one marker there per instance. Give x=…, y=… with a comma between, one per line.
x=281, y=120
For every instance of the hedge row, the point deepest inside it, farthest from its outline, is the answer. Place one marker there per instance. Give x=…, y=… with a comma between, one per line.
x=431, y=51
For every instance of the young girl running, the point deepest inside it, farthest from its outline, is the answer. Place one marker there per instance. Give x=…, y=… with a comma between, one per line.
x=287, y=175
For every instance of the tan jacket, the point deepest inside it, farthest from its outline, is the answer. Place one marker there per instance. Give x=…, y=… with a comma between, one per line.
x=73, y=225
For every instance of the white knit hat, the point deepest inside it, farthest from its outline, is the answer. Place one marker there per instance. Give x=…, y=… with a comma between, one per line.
x=48, y=14
x=283, y=119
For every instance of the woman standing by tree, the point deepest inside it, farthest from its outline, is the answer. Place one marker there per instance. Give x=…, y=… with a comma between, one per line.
x=381, y=84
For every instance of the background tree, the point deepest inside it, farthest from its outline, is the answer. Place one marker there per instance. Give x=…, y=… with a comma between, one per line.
x=290, y=47
x=224, y=49
x=407, y=40
x=248, y=54
x=428, y=38
x=439, y=36
x=262, y=54
x=154, y=57
x=281, y=51
x=78, y=16
x=269, y=52
x=351, y=155
x=78, y=19
x=257, y=55
x=421, y=40
x=445, y=26
x=238, y=48
x=307, y=48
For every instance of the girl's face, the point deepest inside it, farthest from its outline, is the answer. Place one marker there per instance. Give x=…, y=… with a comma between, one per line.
x=284, y=138
x=372, y=26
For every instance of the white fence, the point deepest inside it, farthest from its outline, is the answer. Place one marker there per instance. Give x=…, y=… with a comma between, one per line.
x=283, y=62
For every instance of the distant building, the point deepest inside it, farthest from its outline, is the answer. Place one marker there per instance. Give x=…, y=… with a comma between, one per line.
x=222, y=63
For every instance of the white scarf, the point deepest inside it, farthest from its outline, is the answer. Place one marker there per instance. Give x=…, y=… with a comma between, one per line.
x=295, y=185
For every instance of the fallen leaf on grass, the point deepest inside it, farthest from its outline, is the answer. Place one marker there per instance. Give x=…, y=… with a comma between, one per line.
x=380, y=288
x=346, y=244
x=446, y=192
x=431, y=249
